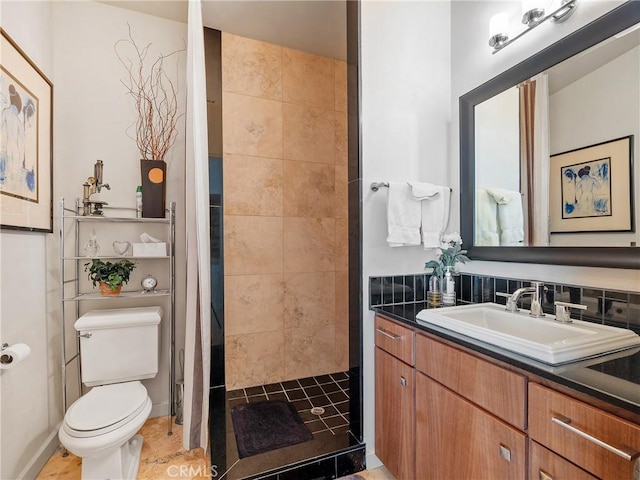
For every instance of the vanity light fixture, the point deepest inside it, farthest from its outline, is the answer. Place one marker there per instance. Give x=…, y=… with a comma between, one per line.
x=533, y=15
x=498, y=27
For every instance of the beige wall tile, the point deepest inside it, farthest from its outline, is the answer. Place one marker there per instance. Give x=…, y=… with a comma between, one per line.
x=308, y=133
x=307, y=79
x=309, y=244
x=254, y=359
x=309, y=351
x=252, y=245
x=251, y=126
x=309, y=299
x=251, y=67
x=253, y=303
x=341, y=151
x=341, y=197
x=342, y=298
x=252, y=185
x=308, y=189
x=340, y=76
x=342, y=244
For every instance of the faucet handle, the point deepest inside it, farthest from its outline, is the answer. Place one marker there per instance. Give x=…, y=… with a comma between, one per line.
x=562, y=313
x=511, y=305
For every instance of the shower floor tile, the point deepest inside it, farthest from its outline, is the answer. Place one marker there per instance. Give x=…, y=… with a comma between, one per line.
x=330, y=426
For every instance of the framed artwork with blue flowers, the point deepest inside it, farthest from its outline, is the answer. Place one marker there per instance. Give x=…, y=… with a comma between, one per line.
x=591, y=188
x=26, y=138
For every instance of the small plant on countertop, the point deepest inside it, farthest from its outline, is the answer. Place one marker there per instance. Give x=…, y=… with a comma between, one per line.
x=113, y=274
x=449, y=253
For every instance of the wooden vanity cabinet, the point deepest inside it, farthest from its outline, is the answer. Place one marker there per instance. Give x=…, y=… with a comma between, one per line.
x=469, y=416
x=457, y=440
x=579, y=433
x=546, y=465
x=395, y=398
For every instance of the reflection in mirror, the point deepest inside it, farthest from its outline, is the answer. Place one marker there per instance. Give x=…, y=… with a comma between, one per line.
x=518, y=135
x=524, y=177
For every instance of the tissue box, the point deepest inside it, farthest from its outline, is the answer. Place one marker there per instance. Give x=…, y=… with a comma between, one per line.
x=150, y=249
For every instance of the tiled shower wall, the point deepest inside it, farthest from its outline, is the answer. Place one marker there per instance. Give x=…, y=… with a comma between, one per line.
x=285, y=213
x=611, y=307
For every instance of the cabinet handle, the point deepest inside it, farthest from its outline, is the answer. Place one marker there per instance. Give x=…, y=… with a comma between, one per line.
x=542, y=475
x=625, y=452
x=387, y=334
x=403, y=381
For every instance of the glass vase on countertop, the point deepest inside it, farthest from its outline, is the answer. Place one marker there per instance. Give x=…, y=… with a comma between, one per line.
x=449, y=287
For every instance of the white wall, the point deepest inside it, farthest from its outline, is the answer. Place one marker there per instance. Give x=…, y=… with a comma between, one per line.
x=405, y=65
x=92, y=115
x=29, y=393
x=497, y=138
x=473, y=64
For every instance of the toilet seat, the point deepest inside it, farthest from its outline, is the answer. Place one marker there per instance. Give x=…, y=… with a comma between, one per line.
x=105, y=409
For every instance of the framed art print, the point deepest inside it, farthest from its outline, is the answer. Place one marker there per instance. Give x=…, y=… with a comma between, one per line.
x=26, y=142
x=590, y=188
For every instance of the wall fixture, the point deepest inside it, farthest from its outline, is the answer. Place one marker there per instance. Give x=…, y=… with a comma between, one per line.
x=533, y=14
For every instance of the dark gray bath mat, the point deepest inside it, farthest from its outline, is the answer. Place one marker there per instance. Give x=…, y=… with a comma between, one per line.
x=264, y=426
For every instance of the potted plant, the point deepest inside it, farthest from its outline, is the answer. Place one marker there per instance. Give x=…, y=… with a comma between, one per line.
x=156, y=126
x=110, y=276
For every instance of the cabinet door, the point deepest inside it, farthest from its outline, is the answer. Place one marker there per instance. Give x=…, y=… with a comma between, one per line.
x=395, y=415
x=546, y=465
x=603, y=444
x=457, y=440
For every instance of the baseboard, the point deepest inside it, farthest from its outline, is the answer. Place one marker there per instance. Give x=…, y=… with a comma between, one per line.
x=42, y=456
x=159, y=410
x=373, y=461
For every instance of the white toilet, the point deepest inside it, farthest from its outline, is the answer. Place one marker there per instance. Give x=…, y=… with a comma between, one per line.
x=117, y=349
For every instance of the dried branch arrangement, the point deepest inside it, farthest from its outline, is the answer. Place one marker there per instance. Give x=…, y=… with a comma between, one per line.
x=155, y=98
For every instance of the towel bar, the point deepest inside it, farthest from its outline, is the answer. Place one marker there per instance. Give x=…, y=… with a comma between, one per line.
x=375, y=186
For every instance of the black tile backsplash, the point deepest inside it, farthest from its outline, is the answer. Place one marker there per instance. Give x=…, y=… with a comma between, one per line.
x=611, y=307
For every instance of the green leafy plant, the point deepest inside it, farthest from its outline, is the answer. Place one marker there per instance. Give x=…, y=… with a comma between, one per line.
x=113, y=274
x=449, y=253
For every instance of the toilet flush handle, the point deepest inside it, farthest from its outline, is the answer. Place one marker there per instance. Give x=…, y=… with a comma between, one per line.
x=85, y=335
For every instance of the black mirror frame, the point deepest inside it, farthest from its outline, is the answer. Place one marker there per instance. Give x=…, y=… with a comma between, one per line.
x=617, y=20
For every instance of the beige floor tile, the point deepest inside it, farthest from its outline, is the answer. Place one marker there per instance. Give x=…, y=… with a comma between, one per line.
x=161, y=458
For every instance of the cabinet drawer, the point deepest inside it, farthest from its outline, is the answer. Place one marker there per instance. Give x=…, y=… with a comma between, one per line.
x=493, y=388
x=395, y=339
x=546, y=465
x=583, y=434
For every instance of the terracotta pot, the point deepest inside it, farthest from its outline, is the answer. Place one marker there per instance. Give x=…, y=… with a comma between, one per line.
x=105, y=290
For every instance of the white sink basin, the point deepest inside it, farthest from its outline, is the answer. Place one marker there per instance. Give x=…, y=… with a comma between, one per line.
x=541, y=338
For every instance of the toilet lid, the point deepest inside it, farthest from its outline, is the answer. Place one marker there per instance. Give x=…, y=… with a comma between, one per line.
x=106, y=405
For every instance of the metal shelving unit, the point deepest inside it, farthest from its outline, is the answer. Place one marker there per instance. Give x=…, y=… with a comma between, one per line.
x=70, y=287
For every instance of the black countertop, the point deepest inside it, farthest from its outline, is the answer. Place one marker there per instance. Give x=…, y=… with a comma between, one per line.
x=613, y=378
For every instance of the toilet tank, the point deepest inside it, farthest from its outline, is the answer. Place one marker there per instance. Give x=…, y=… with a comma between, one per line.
x=119, y=345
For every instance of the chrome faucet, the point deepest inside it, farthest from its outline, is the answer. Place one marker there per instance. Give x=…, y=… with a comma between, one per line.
x=536, y=290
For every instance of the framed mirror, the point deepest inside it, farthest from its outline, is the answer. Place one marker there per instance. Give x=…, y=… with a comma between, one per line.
x=539, y=179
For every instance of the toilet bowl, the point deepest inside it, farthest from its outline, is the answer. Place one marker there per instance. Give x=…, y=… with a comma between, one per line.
x=101, y=426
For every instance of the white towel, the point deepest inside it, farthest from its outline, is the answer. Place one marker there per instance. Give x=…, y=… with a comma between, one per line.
x=500, y=195
x=423, y=191
x=403, y=216
x=511, y=219
x=486, y=220
x=435, y=217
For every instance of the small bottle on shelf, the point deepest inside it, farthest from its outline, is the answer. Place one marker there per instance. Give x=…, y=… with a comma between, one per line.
x=139, y=201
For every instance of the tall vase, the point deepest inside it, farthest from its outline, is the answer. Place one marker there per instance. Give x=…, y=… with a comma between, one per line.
x=449, y=287
x=154, y=187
